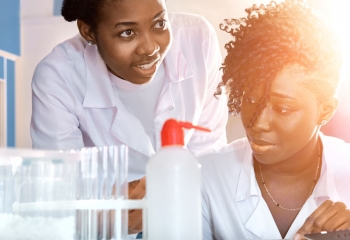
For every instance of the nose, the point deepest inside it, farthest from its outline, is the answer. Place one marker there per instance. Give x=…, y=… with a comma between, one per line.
x=262, y=122
x=148, y=45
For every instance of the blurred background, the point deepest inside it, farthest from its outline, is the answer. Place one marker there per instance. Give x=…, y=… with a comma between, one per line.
x=29, y=29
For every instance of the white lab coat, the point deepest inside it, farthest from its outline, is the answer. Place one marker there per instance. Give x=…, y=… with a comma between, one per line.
x=233, y=207
x=75, y=104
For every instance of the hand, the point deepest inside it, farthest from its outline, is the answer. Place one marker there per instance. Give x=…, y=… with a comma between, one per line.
x=137, y=190
x=328, y=216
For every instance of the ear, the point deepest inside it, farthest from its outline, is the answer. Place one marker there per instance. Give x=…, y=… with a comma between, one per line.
x=86, y=32
x=327, y=109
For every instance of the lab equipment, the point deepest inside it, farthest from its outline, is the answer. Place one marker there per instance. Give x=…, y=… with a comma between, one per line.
x=30, y=180
x=76, y=195
x=173, y=187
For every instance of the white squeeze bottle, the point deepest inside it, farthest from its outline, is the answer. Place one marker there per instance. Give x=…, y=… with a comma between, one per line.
x=173, y=188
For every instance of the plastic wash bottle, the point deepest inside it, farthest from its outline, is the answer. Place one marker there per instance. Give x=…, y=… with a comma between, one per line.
x=173, y=188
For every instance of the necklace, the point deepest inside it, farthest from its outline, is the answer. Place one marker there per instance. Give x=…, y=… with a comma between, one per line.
x=312, y=187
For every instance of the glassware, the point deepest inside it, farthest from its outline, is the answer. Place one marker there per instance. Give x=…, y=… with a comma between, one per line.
x=77, y=195
x=103, y=182
x=31, y=181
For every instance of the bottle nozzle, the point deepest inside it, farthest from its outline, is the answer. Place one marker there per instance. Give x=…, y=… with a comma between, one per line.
x=189, y=125
x=173, y=134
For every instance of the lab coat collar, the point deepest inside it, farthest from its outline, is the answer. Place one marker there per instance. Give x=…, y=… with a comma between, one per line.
x=325, y=187
x=99, y=89
x=176, y=65
x=176, y=69
x=247, y=177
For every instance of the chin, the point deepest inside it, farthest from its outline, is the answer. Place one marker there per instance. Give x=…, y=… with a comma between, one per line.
x=266, y=158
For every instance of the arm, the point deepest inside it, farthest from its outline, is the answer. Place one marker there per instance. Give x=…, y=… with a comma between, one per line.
x=53, y=124
x=215, y=112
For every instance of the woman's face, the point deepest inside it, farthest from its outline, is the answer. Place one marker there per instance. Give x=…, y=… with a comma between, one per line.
x=288, y=122
x=133, y=38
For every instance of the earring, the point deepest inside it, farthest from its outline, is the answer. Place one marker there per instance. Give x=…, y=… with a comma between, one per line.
x=323, y=122
x=89, y=43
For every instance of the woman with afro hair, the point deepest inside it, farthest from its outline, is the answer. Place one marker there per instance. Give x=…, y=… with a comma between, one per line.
x=285, y=179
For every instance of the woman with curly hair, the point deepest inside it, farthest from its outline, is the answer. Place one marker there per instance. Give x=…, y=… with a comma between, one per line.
x=285, y=179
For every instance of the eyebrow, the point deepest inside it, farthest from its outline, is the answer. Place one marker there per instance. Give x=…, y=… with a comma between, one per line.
x=281, y=95
x=134, y=23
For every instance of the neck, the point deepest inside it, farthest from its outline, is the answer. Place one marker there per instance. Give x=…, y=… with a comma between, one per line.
x=300, y=163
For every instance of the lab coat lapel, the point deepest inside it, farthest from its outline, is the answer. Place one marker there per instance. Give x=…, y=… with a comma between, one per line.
x=99, y=89
x=136, y=137
x=176, y=70
x=257, y=216
x=326, y=187
x=261, y=222
x=308, y=208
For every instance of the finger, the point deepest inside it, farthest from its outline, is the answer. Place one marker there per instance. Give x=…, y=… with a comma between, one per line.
x=344, y=226
x=135, y=221
x=139, y=191
x=133, y=185
x=341, y=218
x=309, y=222
x=329, y=220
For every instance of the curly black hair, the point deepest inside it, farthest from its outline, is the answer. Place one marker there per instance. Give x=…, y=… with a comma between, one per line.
x=273, y=36
x=89, y=11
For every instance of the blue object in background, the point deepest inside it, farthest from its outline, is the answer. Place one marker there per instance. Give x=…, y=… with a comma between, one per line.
x=2, y=67
x=10, y=26
x=10, y=83
x=57, y=4
x=9, y=43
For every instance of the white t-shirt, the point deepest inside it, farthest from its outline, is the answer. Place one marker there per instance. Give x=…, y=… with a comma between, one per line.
x=141, y=100
x=233, y=207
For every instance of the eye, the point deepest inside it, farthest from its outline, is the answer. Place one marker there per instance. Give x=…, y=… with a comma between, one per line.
x=282, y=110
x=127, y=33
x=160, y=24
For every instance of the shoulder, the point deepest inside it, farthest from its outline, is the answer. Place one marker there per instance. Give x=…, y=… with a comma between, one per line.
x=188, y=20
x=67, y=53
x=66, y=59
x=223, y=159
x=234, y=146
x=193, y=24
x=336, y=148
x=337, y=156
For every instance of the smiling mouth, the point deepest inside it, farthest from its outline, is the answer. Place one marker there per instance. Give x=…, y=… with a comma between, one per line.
x=146, y=70
x=147, y=66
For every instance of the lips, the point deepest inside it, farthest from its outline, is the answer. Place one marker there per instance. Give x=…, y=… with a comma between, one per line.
x=261, y=146
x=146, y=69
x=146, y=66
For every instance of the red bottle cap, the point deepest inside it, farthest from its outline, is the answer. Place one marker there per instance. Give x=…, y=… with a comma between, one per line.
x=173, y=134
